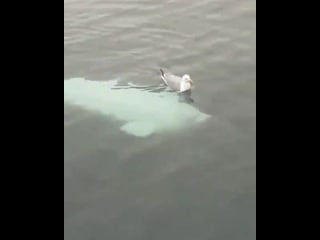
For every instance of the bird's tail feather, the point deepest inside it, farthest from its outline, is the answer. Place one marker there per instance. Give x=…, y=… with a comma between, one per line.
x=162, y=72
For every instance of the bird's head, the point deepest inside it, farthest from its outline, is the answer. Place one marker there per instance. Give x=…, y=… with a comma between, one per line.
x=186, y=78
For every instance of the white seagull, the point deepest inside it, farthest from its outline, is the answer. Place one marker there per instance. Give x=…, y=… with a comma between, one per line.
x=179, y=84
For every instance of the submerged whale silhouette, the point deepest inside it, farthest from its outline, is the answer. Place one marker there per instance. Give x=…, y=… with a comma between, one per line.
x=143, y=112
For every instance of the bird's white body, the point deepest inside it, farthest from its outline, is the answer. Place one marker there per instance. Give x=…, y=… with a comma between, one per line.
x=176, y=83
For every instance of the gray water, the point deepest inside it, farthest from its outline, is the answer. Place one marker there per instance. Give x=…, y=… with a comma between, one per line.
x=195, y=184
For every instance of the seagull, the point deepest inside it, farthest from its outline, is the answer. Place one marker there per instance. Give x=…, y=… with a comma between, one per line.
x=179, y=84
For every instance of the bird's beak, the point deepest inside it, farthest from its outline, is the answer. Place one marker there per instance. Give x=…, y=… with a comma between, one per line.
x=191, y=81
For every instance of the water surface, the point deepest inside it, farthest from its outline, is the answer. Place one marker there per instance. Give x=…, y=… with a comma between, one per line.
x=193, y=184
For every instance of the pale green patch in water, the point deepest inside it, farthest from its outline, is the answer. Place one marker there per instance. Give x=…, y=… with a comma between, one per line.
x=143, y=112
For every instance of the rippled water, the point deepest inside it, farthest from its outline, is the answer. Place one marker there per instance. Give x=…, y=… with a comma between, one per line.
x=196, y=184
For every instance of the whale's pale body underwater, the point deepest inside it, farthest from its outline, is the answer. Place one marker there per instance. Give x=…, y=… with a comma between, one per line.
x=142, y=112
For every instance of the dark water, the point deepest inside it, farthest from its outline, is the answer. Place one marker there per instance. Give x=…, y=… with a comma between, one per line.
x=196, y=184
